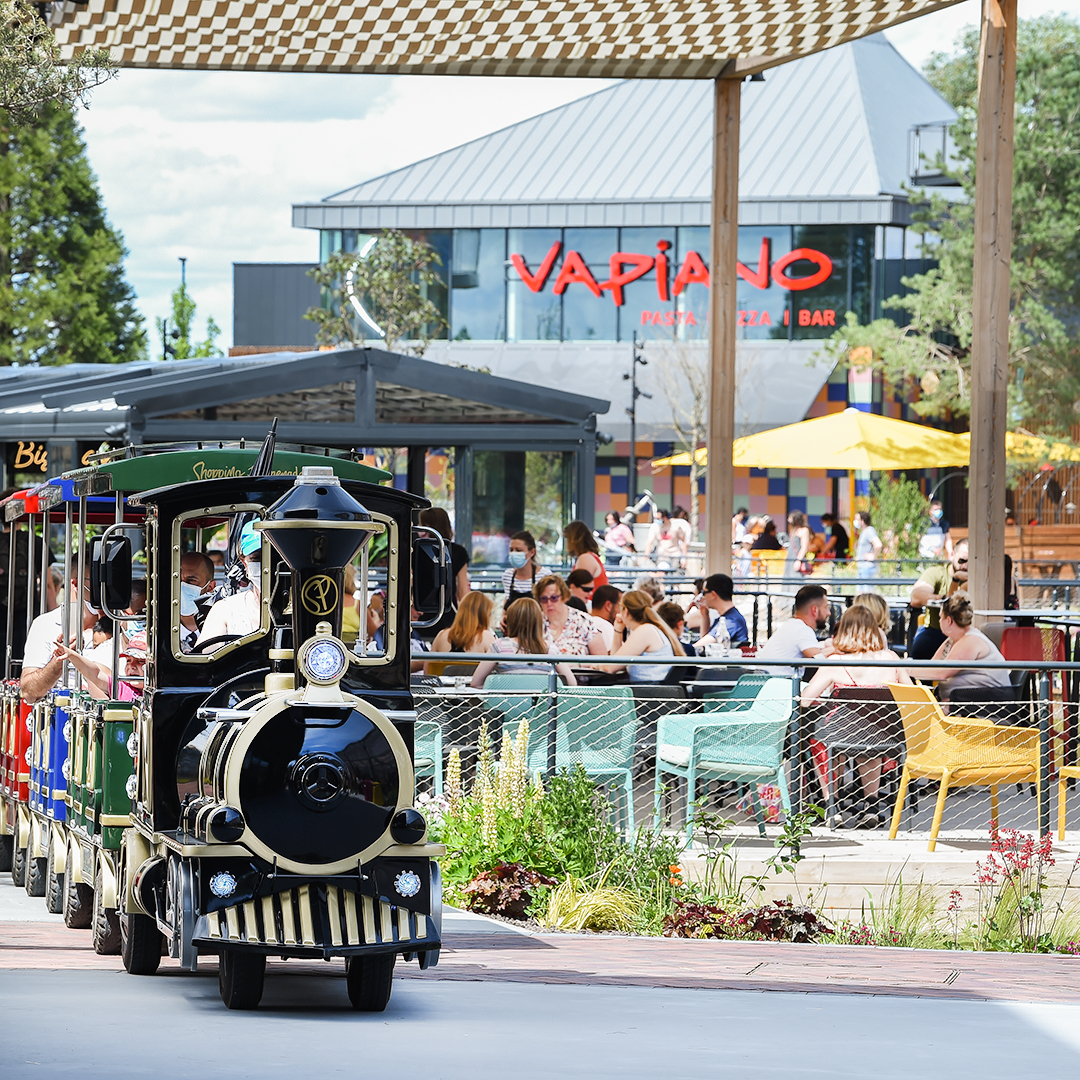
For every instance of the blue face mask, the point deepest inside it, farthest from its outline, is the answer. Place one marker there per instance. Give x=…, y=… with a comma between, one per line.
x=828, y=530
x=188, y=595
x=518, y=559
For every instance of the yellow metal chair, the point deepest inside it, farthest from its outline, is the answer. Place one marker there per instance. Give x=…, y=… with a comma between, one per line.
x=448, y=668
x=767, y=562
x=960, y=753
x=1064, y=773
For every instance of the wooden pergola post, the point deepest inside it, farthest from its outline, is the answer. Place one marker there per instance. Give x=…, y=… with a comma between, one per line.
x=990, y=304
x=724, y=242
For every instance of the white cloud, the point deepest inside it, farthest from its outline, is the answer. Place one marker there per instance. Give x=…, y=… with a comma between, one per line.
x=208, y=164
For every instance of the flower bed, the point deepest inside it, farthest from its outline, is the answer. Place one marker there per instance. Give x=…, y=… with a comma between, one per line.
x=520, y=849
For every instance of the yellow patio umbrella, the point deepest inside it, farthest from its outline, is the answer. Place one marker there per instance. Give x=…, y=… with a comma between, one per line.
x=851, y=440
x=1021, y=447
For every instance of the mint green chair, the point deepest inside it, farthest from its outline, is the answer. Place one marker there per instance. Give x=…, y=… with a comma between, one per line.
x=509, y=698
x=594, y=728
x=743, y=742
x=428, y=752
x=745, y=689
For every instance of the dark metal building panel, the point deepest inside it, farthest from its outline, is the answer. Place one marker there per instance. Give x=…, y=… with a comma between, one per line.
x=269, y=300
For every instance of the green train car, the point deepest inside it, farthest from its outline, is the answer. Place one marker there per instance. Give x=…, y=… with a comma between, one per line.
x=253, y=798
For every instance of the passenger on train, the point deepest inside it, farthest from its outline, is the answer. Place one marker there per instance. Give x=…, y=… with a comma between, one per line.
x=41, y=667
x=240, y=613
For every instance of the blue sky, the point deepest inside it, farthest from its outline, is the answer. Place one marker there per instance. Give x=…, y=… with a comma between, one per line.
x=206, y=165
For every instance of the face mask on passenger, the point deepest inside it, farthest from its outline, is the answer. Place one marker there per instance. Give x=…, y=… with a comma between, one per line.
x=518, y=559
x=188, y=595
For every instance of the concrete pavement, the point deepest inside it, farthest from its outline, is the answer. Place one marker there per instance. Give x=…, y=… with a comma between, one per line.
x=506, y=1002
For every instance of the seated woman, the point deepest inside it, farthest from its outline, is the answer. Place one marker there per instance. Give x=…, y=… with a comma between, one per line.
x=768, y=540
x=567, y=630
x=966, y=642
x=470, y=631
x=643, y=633
x=350, y=609
x=879, y=607
x=858, y=637
x=524, y=634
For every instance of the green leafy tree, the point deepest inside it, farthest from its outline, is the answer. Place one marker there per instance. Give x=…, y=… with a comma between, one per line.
x=31, y=73
x=393, y=283
x=177, y=335
x=931, y=351
x=898, y=508
x=63, y=295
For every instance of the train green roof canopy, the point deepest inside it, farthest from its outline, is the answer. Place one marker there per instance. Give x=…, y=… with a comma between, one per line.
x=183, y=466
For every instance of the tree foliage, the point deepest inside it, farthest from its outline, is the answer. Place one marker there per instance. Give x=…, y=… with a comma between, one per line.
x=63, y=296
x=31, y=74
x=391, y=282
x=177, y=335
x=898, y=508
x=931, y=351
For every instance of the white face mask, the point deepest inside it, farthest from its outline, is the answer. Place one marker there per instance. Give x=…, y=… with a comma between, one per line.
x=188, y=595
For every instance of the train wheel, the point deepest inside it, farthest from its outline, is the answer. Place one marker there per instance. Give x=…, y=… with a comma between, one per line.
x=18, y=867
x=36, y=874
x=105, y=925
x=240, y=978
x=140, y=944
x=369, y=980
x=78, y=901
x=7, y=851
x=54, y=882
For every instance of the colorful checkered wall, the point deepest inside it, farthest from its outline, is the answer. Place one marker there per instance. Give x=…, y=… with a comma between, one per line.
x=776, y=492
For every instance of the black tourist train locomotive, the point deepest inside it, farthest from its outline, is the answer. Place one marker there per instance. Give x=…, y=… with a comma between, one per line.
x=254, y=797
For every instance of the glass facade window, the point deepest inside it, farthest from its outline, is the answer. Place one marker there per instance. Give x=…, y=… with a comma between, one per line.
x=478, y=285
x=763, y=306
x=611, y=284
x=586, y=316
x=533, y=311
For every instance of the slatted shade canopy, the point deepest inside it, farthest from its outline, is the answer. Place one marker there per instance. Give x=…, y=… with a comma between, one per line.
x=622, y=39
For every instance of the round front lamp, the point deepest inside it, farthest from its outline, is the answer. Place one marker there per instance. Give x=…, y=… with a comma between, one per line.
x=323, y=661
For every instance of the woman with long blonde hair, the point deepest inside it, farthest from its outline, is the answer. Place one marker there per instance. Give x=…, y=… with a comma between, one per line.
x=858, y=637
x=646, y=634
x=525, y=635
x=470, y=631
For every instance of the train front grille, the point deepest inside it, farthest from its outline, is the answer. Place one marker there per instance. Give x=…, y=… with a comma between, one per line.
x=313, y=917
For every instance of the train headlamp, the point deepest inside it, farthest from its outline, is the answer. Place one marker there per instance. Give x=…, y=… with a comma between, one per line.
x=408, y=827
x=323, y=661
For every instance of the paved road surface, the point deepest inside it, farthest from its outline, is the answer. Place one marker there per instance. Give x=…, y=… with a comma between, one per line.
x=91, y=1022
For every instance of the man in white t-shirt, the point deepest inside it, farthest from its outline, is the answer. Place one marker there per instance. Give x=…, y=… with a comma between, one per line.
x=41, y=669
x=605, y=606
x=797, y=638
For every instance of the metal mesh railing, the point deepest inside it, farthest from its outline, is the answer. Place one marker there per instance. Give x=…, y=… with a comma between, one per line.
x=718, y=736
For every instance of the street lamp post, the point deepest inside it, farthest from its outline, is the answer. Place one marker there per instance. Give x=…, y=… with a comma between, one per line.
x=635, y=393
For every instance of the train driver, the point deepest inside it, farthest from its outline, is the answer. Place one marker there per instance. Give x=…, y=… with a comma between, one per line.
x=240, y=613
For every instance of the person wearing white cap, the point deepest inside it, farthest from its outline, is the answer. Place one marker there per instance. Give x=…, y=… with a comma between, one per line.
x=241, y=613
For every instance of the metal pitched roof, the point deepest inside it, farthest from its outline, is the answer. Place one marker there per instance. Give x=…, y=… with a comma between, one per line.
x=832, y=126
x=390, y=389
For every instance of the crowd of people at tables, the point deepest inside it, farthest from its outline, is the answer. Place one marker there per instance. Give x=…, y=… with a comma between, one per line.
x=581, y=614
